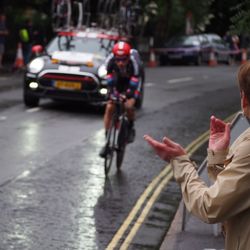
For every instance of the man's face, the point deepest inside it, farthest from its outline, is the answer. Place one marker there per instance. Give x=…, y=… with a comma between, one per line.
x=122, y=62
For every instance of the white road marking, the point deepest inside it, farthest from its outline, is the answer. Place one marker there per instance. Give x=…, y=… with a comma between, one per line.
x=32, y=110
x=3, y=118
x=212, y=249
x=184, y=79
x=149, y=84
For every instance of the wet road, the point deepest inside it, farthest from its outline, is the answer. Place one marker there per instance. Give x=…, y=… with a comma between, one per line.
x=53, y=191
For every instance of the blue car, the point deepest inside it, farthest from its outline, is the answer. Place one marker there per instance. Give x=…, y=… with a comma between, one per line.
x=194, y=49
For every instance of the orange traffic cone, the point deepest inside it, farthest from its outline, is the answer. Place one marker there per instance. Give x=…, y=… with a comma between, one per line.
x=212, y=59
x=19, y=62
x=152, y=59
x=243, y=56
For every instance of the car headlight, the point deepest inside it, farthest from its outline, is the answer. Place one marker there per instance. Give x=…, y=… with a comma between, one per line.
x=102, y=71
x=36, y=65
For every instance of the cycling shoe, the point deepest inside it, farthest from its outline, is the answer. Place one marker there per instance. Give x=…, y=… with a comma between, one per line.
x=104, y=151
x=131, y=135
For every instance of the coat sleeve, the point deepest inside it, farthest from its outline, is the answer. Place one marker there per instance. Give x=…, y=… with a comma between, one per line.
x=228, y=196
x=215, y=163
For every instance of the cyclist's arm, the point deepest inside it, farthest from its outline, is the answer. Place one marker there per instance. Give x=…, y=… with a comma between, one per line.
x=111, y=83
x=108, y=61
x=134, y=82
x=134, y=90
x=135, y=59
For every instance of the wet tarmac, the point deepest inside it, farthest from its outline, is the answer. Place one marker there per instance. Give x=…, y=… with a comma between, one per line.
x=49, y=208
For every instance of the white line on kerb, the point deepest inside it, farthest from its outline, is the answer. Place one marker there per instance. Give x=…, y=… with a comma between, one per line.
x=184, y=79
x=33, y=110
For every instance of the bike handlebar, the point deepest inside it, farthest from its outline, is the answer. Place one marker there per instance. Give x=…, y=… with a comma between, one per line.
x=118, y=97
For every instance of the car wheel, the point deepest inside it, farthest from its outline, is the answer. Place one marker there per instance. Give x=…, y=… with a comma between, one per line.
x=30, y=101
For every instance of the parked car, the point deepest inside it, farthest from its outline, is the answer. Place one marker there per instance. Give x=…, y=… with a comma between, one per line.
x=72, y=68
x=194, y=49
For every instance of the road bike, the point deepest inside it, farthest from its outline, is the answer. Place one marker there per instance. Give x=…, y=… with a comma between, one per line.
x=60, y=14
x=122, y=15
x=80, y=13
x=117, y=135
x=107, y=11
x=70, y=13
x=129, y=17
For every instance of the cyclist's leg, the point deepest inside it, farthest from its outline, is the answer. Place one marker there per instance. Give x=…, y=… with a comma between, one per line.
x=130, y=110
x=108, y=114
x=107, y=123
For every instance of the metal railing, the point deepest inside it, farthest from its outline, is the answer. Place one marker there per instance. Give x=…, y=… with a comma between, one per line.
x=238, y=125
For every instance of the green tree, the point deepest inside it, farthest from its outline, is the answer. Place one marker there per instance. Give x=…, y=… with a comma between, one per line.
x=241, y=20
x=171, y=18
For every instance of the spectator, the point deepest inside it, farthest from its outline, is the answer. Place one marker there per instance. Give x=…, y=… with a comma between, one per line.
x=26, y=35
x=244, y=41
x=227, y=38
x=227, y=200
x=3, y=33
x=233, y=42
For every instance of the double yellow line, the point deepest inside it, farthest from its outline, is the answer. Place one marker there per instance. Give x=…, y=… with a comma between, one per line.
x=160, y=181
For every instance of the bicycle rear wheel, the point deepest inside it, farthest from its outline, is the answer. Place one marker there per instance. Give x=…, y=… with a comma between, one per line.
x=86, y=12
x=61, y=14
x=110, y=146
x=122, y=142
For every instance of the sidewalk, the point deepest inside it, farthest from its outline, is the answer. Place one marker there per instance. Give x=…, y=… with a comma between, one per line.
x=10, y=79
x=196, y=235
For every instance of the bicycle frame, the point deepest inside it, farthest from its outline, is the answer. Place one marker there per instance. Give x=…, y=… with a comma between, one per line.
x=116, y=137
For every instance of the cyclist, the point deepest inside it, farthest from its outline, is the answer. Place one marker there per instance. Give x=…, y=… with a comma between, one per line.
x=123, y=78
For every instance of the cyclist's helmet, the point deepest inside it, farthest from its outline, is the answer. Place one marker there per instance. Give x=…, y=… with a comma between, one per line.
x=121, y=49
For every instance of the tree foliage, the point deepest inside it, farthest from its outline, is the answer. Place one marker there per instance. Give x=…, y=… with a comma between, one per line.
x=241, y=20
x=171, y=18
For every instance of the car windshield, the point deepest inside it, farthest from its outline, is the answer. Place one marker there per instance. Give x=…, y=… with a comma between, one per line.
x=101, y=47
x=183, y=41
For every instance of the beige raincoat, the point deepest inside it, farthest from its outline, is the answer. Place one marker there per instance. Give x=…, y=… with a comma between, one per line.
x=228, y=199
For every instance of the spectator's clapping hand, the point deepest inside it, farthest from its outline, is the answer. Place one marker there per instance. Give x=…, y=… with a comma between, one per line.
x=167, y=149
x=219, y=134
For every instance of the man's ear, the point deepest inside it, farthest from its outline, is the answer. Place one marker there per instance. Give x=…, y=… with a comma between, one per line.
x=245, y=102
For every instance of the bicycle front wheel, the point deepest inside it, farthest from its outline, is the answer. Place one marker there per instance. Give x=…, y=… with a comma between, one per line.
x=122, y=142
x=110, y=147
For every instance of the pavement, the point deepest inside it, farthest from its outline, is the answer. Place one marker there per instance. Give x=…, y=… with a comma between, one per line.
x=10, y=78
x=187, y=232
x=197, y=235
